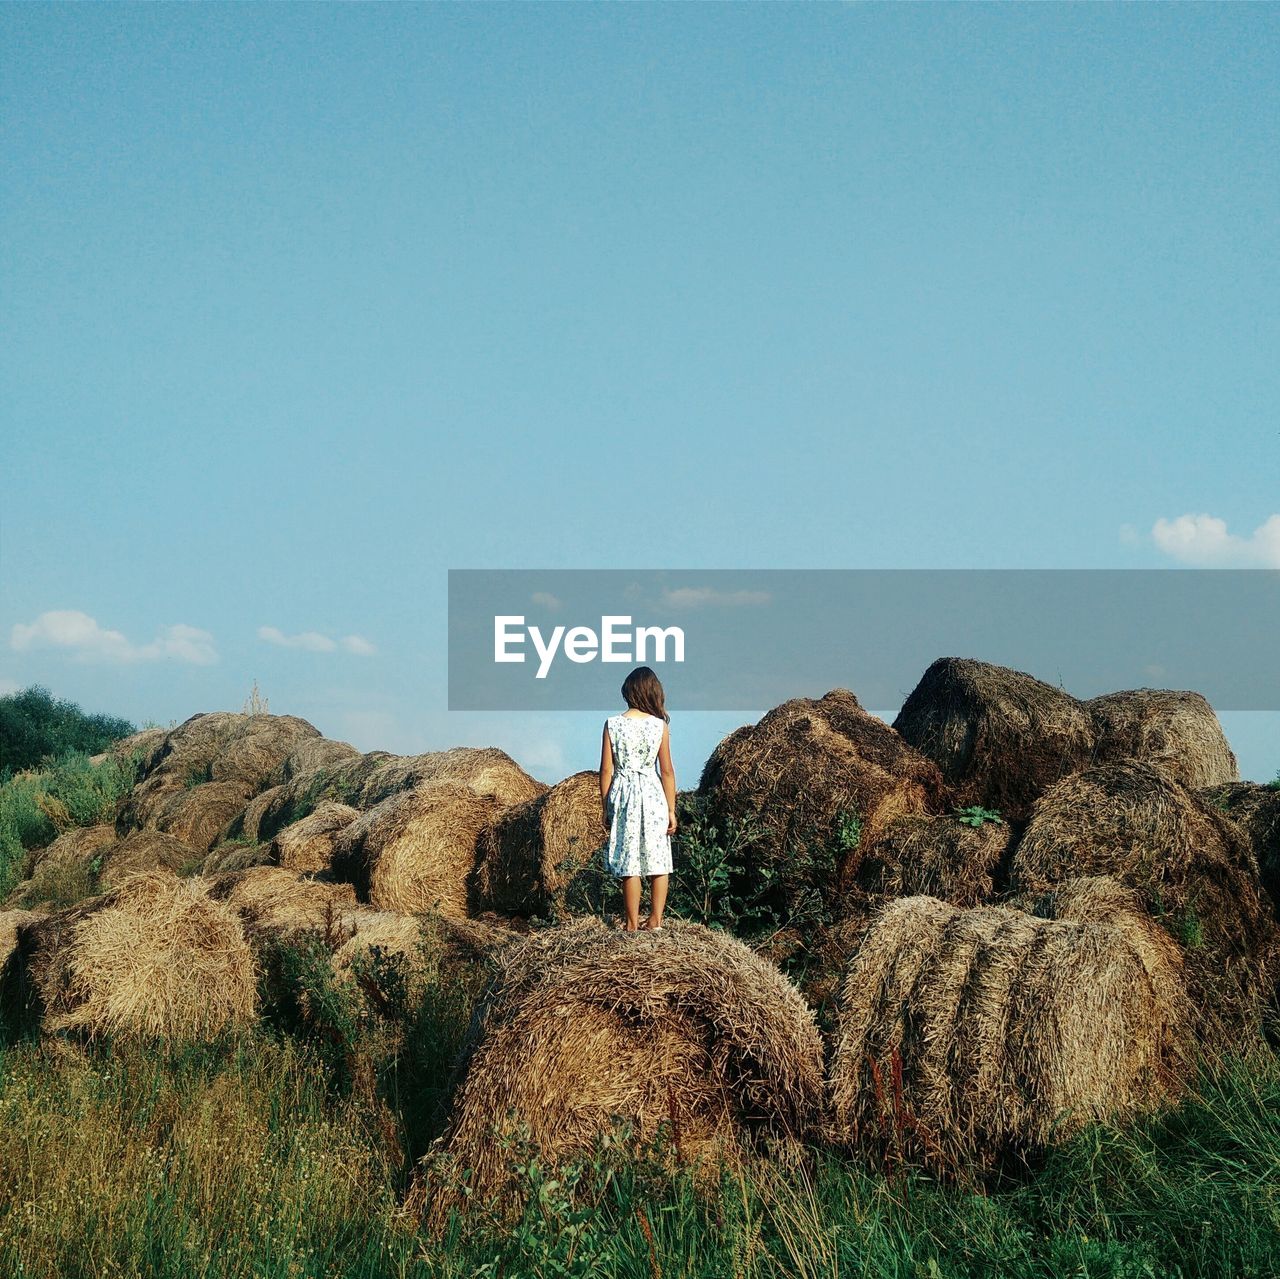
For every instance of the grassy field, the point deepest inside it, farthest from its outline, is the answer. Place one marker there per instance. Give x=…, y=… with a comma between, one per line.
x=262, y=1157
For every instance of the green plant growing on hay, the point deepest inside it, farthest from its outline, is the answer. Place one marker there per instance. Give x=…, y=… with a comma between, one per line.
x=1190, y=930
x=975, y=815
x=1274, y=784
x=198, y=775
x=847, y=832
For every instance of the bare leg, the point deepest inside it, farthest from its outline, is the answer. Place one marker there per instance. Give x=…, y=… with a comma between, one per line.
x=631, y=901
x=657, y=900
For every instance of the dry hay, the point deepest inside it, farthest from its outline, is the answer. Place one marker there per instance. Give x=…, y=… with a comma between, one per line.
x=1176, y=731
x=273, y=901
x=1256, y=810
x=1190, y=863
x=226, y=745
x=139, y=745
x=965, y=1036
x=806, y=767
x=198, y=815
x=310, y=755
x=528, y=855
x=941, y=857
x=78, y=845
x=297, y=798
x=1000, y=736
x=155, y=958
x=12, y=922
x=141, y=806
x=416, y=849
x=146, y=850
x=487, y=771
x=307, y=844
x=683, y=1030
x=235, y=855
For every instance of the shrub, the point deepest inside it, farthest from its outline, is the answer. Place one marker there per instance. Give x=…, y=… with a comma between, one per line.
x=35, y=726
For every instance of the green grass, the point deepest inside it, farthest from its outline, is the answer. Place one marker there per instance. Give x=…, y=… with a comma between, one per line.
x=270, y=1156
x=39, y=804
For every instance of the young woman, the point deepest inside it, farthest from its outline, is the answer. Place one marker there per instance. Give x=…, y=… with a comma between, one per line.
x=639, y=809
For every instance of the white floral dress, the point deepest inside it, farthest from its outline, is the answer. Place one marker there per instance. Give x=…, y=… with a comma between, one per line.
x=636, y=806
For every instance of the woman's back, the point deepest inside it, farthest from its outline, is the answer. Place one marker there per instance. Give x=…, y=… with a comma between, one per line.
x=636, y=740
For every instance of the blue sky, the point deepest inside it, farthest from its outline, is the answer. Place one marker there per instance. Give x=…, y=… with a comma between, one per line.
x=306, y=305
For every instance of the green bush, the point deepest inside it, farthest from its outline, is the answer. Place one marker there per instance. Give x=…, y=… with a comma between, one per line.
x=38, y=805
x=36, y=726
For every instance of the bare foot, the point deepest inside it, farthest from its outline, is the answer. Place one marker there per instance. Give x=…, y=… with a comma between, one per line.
x=650, y=927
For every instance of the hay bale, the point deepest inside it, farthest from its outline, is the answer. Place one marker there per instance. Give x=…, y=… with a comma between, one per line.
x=141, y=806
x=487, y=771
x=966, y=1036
x=416, y=849
x=198, y=815
x=585, y=1026
x=236, y=855
x=12, y=922
x=146, y=851
x=1256, y=810
x=271, y=901
x=1190, y=863
x=299, y=797
x=307, y=844
x=137, y=745
x=941, y=857
x=808, y=766
x=528, y=855
x=1000, y=737
x=1176, y=731
x=154, y=959
x=414, y=939
x=226, y=745
x=308, y=756
x=74, y=847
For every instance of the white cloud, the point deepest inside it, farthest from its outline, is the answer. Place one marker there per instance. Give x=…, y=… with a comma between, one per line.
x=698, y=596
x=1205, y=542
x=312, y=641
x=80, y=635
x=317, y=642
x=544, y=599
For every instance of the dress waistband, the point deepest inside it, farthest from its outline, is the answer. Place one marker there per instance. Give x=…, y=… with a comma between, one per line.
x=633, y=768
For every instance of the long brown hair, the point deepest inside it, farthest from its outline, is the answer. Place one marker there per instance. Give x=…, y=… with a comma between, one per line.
x=642, y=691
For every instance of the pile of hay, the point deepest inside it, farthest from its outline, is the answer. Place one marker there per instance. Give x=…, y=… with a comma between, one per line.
x=1000, y=737
x=156, y=958
x=309, y=755
x=272, y=901
x=967, y=1036
x=1256, y=810
x=416, y=849
x=585, y=1026
x=528, y=855
x=341, y=782
x=198, y=815
x=225, y=745
x=12, y=924
x=1190, y=863
x=73, y=847
x=486, y=770
x=1176, y=731
x=941, y=857
x=146, y=850
x=807, y=767
x=139, y=745
x=307, y=844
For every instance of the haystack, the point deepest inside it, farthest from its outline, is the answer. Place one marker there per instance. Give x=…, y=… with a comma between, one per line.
x=1190, y=863
x=1256, y=810
x=281, y=806
x=1000, y=737
x=528, y=855
x=74, y=847
x=12, y=922
x=141, y=806
x=487, y=771
x=307, y=845
x=155, y=958
x=965, y=1036
x=806, y=769
x=272, y=901
x=146, y=850
x=309, y=755
x=198, y=815
x=236, y=855
x=224, y=745
x=1176, y=731
x=416, y=849
x=585, y=1026
x=943, y=857
x=137, y=745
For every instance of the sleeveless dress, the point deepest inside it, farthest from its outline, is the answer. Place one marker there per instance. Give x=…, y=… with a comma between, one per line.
x=636, y=806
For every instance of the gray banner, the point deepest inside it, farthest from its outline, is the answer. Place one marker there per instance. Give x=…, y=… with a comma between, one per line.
x=745, y=639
